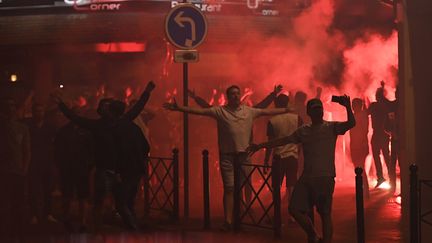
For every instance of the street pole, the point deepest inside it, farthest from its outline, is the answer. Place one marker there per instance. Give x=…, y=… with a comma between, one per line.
x=186, y=141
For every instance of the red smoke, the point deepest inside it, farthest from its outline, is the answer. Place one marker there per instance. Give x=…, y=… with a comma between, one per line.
x=370, y=61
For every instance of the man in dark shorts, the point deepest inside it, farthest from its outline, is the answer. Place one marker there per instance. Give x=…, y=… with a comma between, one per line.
x=105, y=144
x=75, y=157
x=281, y=126
x=359, y=144
x=316, y=184
x=234, y=123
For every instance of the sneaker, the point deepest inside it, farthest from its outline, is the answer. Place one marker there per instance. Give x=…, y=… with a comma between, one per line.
x=68, y=226
x=226, y=227
x=291, y=220
x=51, y=219
x=316, y=239
x=83, y=228
x=34, y=220
x=379, y=182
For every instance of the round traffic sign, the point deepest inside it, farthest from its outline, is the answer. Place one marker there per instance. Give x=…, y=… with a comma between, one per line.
x=186, y=26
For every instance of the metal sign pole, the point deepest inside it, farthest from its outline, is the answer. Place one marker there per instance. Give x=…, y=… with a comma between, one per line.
x=186, y=141
x=186, y=28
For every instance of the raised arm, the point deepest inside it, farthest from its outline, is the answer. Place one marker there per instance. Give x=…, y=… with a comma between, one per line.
x=200, y=101
x=139, y=105
x=80, y=121
x=318, y=92
x=69, y=114
x=342, y=127
x=266, y=102
x=193, y=110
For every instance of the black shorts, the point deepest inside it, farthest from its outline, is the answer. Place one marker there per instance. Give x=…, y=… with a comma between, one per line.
x=105, y=182
x=313, y=191
x=72, y=184
x=289, y=167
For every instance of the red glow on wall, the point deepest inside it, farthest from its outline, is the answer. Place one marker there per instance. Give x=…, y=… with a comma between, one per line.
x=222, y=100
x=212, y=100
x=170, y=96
x=128, y=92
x=82, y=101
x=120, y=47
x=101, y=91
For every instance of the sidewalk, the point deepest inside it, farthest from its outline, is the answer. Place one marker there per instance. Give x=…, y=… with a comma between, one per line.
x=382, y=219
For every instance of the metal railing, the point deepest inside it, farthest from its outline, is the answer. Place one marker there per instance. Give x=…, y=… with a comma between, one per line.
x=414, y=202
x=424, y=215
x=359, y=205
x=244, y=213
x=265, y=196
x=161, y=185
x=419, y=216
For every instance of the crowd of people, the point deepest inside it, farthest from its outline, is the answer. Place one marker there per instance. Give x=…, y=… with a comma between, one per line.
x=114, y=147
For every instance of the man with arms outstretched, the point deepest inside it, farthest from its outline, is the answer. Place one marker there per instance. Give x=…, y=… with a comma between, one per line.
x=234, y=133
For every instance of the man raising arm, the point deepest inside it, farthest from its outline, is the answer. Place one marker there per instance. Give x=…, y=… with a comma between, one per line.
x=316, y=184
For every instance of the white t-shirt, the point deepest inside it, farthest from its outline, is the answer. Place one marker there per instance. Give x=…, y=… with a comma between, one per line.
x=281, y=126
x=234, y=127
x=319, y=143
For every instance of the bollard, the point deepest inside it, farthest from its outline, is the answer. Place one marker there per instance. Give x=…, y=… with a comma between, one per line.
x=359, y=205
x=276, y=178
x=237, y=192
x=146, y=187
x=176, y=184
x=414, y=210
x=206, y=187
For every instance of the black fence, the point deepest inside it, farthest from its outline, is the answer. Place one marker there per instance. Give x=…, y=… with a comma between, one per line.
x=260, y=206
x=161, y=185
x=425, y=186
x=419, y=214
x=359, y=205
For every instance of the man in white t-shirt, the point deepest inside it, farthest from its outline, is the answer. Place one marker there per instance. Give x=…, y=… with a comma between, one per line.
x=316, y=184
x=281, y=126
x=234, y=124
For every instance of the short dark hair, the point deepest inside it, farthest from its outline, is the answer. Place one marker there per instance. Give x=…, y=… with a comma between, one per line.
x=231, y=87
x=281, y=101
x=102, y=102
x=313, y=103
x=117, y=108
x=300, y=96
x=357, y=101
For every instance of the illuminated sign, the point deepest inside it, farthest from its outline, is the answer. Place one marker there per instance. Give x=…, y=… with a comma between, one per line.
x=210, y=7
x=95, y=5
x=202, y=5
x=257, y=7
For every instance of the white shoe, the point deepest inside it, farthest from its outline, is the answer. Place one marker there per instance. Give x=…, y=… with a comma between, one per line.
x=34, y=220
x=51, y=219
